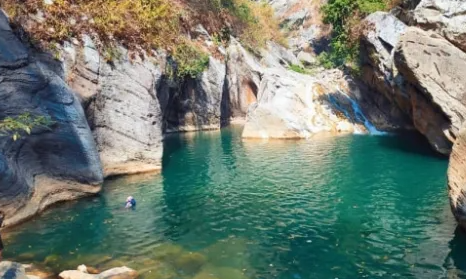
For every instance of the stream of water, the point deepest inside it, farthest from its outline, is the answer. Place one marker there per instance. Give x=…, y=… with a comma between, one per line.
x=355, y=206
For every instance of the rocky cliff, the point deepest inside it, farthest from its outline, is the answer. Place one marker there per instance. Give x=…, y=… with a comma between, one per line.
x=419, y=70
x=415, y=59
x=110, y=115
x=50, y=165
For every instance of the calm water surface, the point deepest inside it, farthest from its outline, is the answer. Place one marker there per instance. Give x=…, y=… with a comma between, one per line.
x=341, y=207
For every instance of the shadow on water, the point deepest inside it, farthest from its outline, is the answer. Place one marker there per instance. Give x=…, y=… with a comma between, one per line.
x=410, y=142
x=457, y=258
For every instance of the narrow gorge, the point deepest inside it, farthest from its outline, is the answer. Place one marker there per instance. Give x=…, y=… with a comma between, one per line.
x=96, y=112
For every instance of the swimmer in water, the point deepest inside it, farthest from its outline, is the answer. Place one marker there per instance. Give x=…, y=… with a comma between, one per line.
x=130, y=202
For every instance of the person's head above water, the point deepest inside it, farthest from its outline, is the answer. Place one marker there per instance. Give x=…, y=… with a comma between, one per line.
x=130, y=202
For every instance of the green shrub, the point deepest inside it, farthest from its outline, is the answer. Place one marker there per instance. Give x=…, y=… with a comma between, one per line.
x=345, y=17
x=21, y=125
x=297, y=68
x=190, y=61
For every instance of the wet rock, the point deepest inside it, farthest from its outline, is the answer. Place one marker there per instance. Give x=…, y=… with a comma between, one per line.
x=447, y=17
x=52, y=164
x=114, y=273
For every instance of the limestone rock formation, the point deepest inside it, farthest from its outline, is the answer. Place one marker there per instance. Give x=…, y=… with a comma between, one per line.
x=126, y=118
x=378, y=44
x=52, y=164
x=243, y=79
x=292, y=105
x=419, y=73
x=195, y=104
x=433, y=67
x=457, y=179
x=447, y=17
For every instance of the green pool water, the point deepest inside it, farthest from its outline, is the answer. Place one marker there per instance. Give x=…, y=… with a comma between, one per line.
x=330, y=207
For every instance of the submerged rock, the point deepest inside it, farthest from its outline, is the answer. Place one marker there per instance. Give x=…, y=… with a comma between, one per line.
x=190, y=263
x=114, y=273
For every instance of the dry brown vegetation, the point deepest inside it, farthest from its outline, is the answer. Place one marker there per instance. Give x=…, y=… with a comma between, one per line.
x=143, y=24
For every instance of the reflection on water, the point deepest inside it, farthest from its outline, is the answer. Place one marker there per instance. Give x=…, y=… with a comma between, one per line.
x=330, y=207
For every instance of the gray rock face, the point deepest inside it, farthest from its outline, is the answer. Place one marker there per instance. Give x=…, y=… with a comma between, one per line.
x=378, y=71
x=126, y=118
x=196, y=103
x=447, y=17
x=50, y=165
x=243, y=79
x=84, y=70
x=292, y=106
x=434, y=69
x=419, y=73
x=302, y=21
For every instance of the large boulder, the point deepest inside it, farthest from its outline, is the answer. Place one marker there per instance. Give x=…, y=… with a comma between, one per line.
x=125, y=116
x=419, y=73
x=54, y=163
x=447, y=17
x=433, y=70
x=292, y=105
x=195, y=103
x=457, y=179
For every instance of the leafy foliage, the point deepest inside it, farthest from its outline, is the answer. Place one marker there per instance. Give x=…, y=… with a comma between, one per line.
x=297, y=68
x=18, y=126
x=190, y=61
x=346, y=17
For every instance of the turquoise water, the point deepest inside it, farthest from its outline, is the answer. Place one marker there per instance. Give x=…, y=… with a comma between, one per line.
x=331, y=207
